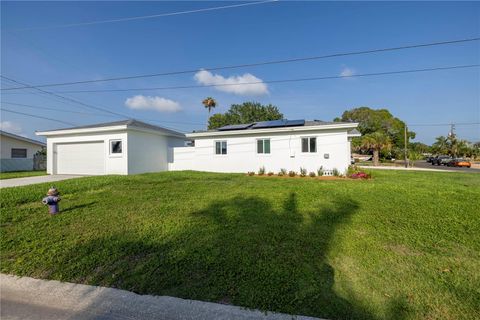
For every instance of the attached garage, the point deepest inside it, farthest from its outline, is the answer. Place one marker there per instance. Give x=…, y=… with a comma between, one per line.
x=80, y=158
x=121, y=147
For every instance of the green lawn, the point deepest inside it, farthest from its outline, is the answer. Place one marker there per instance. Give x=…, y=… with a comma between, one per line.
x=21, y=174
x=405, y=245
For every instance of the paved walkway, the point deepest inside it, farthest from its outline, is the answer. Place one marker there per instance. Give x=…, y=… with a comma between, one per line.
x=28, y=298
x=17, y=182
x=405, y=169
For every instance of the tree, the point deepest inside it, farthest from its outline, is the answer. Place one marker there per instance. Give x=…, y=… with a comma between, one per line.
x=378, y=120
x=209, y=103
x=246, y=112
x=440, y=145
x=375, y=142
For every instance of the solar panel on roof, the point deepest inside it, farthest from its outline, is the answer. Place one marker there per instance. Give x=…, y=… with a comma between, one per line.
x=235, y=127
x=278, y=123
x=294, y=123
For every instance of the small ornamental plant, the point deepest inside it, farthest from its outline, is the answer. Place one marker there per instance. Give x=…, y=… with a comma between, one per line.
x=251, y=173
x=261, y=171
x=280, y=174
x=292, y=173
x=360, y=175
x=312, y=174
x=320, y=171
x=303, y=172
x=270, y=173
x=336, y=172
x=283, y=171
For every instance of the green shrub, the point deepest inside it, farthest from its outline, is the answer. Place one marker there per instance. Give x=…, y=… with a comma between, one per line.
x=270, y=173
x=292, y=173
x=336, y=172
x=312, y=174
x=261, y=171
x=320, y=171
x=303, y=172
x=251, y=173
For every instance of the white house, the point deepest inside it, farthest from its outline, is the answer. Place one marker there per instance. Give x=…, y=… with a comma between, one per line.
x=275, y=145
x=16, y=152
x=130, y=146
x=122, y=147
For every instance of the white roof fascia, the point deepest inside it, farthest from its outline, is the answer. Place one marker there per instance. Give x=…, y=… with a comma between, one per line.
x=345, y=126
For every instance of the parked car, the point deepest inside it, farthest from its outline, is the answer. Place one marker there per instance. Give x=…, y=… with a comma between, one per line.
x=459, y=163
x=441, y=160
x=429, y=159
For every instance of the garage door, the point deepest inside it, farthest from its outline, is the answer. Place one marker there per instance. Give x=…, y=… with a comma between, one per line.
x=80, y=158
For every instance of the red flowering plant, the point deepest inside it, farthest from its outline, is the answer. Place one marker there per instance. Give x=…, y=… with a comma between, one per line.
x=354, y=172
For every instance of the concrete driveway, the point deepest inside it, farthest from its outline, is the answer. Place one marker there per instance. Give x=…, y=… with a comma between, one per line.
x=27, y=298
x=34, y=180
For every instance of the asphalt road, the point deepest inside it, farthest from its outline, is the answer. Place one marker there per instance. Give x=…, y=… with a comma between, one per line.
x=424, y=164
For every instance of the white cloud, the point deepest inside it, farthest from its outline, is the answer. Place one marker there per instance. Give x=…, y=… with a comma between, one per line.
x=160, y=104
x=347, y=72
x=11, y=127
x=233, y=84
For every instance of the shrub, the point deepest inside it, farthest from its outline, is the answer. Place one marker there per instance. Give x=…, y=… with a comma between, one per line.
x=251, y=173
x=283, y=171
x=280, y=174
x=261, y=171
x=292, y=173
x=361, y=175
x=270, y=173
x=320, y=171
x=336, y=172
x=312, y=174
x=303, y=172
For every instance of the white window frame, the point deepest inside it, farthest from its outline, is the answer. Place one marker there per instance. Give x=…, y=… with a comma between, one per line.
x=263, y=153
x=110, y=151
x=215, y=147
x=316, y=145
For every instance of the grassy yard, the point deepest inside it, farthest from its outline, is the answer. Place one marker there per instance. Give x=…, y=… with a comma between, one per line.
x=405, y=245
x=21, y=174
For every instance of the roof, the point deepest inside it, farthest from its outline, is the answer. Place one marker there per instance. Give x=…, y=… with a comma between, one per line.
x=354, y=133
x=282, y=125
x=131, y=123
x=14, y=136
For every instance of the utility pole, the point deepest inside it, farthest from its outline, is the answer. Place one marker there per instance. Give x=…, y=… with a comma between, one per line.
x=405, y=148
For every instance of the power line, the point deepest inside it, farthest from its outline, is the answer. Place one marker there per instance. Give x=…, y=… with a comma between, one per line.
x=278, y=81
x=252, y=64
x=94, y=114
x=39, y=117
x=69, y=99
x=88, y=23
x=444, y=124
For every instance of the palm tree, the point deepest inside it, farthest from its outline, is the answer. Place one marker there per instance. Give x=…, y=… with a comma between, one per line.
x=377, y=142
x=441, y=145
x=209, y=103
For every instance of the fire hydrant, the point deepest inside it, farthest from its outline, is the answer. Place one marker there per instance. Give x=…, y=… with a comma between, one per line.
x=52, y=199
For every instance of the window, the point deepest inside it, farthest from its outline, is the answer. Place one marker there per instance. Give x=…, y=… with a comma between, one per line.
x=220, y=147
x=263, y=146
x=309, y=144
x=19, y=153
x=115, y=146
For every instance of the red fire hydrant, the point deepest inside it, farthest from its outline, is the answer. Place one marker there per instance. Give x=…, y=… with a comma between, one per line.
x=52, y=199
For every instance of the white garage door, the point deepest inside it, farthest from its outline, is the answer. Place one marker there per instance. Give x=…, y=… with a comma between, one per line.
x=80, y=158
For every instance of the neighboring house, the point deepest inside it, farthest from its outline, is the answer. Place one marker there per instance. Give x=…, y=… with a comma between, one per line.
x=17, y=152
x=130, y=146
x=121, y=147
x=275, y=145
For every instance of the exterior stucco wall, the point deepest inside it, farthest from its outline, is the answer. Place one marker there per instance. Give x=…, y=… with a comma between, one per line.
x=285, y=153
x=114, y=164
x=7, y=163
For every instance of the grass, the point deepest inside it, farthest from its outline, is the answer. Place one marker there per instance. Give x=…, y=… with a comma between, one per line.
x=21, y=174
x=405, y=245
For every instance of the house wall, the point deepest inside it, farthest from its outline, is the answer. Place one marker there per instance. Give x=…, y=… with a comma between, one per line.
x=148, y=152
x=114, y=164
x=285, y=153
x=7, y=163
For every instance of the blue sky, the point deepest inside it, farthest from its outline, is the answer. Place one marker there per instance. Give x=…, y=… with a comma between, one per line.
x=269, y=31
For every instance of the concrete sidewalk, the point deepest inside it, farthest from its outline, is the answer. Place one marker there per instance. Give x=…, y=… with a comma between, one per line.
x=405, y=169
x=17, y=182
x=28, y=298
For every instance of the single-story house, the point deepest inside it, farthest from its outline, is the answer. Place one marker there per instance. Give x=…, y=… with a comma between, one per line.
x=17, y=152
x=130, y=146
